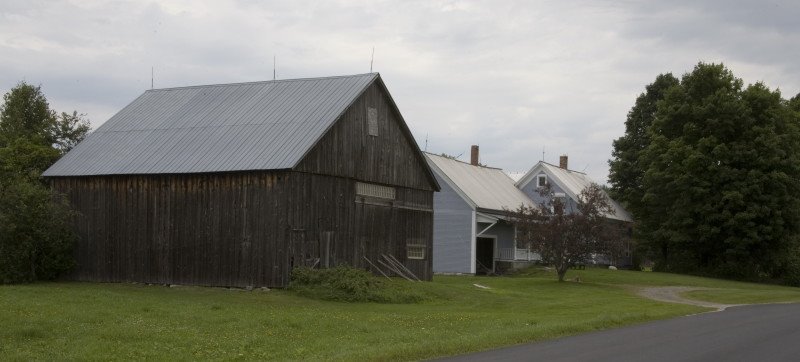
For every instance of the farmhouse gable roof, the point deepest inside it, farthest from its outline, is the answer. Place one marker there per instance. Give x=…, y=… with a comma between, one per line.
x=572, y=182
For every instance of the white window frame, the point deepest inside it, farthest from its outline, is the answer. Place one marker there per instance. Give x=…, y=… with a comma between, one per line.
x=541, y=180
x=415, y=251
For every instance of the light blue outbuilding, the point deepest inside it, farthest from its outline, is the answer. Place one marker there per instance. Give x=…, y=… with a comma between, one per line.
x=471, y=230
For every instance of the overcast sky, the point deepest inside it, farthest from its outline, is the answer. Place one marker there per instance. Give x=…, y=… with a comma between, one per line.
x=515, y=77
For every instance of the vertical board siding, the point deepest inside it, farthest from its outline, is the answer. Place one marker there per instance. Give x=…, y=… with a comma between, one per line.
x=359, y=228
x=236, y=229
x=347, y=150
x=206, y=229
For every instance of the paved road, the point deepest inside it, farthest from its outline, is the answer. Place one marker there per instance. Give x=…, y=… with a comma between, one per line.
x=747, y=333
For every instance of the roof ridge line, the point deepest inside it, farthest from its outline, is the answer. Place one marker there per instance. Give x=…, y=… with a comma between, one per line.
x=466, y=163
x=261, y=82
x=565, y=169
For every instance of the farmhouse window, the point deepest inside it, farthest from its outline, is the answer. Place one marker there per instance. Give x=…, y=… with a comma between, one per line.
x=373, y=190
x=372, y=121
x=415, y=250
x=541, y=181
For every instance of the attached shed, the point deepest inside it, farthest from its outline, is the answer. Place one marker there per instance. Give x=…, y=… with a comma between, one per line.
x=236, y=184
x=472, y=231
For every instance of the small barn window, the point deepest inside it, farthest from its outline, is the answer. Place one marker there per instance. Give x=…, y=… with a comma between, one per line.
x=541, y=181
x=372, y=121
x=415, y=249
x=373, y=190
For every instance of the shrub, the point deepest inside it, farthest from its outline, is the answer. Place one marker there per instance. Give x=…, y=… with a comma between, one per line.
x=35, y=237
x=347, y=284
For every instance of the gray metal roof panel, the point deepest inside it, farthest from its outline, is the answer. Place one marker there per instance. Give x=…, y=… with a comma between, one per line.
x=486, y=187
x=227, y=127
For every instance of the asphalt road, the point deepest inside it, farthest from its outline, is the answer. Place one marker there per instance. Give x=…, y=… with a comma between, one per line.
x=747, y=333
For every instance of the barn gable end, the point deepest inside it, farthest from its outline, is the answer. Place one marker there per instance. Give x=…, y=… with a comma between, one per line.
x=371, y=142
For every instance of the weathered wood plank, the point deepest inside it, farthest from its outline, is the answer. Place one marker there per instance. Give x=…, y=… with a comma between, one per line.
x=348, y=150
x=234, y=229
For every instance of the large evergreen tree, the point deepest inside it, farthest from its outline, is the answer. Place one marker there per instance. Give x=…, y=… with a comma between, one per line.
x=720, y=182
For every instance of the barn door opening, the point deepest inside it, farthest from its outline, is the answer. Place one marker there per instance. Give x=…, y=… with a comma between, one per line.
x=484, y=255
x=303, y=250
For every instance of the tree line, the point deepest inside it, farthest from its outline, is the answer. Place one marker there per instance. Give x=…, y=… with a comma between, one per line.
x=710, y=170
x=36, y=238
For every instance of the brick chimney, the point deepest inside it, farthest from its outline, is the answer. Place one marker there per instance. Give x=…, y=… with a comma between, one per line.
x=473, y=159
x=562, y=161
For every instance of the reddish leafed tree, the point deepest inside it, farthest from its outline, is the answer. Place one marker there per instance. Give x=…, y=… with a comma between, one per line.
x=565, y=232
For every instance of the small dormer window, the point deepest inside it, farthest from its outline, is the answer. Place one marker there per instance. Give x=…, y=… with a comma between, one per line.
x=541, y=181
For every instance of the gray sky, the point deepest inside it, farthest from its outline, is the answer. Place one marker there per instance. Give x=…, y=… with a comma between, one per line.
x=512, y=76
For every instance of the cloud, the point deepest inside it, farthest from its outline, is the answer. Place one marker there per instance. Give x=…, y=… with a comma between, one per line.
x=513, y=76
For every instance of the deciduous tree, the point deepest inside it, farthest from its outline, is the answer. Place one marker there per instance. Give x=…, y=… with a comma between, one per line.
x=68, y=130
x=35, y=237
x=720, y=184
x=566, y=235
x=26, y=114
x=625, y=168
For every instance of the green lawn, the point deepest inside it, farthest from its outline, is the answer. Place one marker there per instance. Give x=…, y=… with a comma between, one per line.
x=57, y=321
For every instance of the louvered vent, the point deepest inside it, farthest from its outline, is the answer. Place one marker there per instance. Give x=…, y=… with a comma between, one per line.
x=373, y=190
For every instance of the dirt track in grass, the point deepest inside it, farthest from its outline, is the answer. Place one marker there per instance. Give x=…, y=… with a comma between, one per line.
x=673, y=295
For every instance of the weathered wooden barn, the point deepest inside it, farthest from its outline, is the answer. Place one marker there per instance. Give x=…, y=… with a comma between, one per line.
x=236, y=184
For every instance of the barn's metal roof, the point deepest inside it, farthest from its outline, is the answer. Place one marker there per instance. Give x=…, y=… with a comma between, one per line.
x=484, y=187
x=226, y=127
x=572, y=182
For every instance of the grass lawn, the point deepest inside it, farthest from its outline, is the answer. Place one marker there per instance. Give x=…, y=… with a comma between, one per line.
x=57, y=321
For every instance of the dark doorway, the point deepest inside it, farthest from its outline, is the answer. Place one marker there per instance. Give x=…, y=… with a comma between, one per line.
x=484, y=256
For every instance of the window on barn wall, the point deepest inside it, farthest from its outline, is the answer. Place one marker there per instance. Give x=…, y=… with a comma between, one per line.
x=373, y=190
x=372, y=121
x=415, y=249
